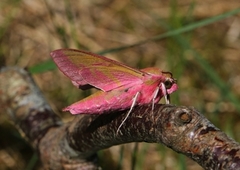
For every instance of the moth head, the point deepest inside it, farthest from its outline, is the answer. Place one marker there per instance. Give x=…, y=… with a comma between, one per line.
x=169, y=82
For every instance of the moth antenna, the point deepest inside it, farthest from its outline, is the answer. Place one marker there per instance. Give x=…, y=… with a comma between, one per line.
x=166, y=96
x=154, y=97
x=133, y=104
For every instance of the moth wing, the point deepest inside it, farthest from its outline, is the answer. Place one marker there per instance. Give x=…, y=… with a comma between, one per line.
x=88, y=70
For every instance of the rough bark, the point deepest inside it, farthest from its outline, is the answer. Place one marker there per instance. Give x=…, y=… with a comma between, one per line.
x=74, y=145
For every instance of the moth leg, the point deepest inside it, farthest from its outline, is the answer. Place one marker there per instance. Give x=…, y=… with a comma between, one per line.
x=154, y=97
x=133, y=104
x=166, y=96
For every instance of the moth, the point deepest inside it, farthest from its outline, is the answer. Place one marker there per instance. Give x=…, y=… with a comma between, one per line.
x=120, y=87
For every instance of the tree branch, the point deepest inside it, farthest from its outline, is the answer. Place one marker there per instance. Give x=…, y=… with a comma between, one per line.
x=74, y=145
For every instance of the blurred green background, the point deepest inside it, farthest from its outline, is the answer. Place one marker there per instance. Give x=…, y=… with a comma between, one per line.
x=198, y=41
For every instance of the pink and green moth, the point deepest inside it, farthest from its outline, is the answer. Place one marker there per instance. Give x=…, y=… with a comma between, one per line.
x=120, y=87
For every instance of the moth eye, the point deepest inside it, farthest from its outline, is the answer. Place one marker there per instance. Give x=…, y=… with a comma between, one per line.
x=168, y=84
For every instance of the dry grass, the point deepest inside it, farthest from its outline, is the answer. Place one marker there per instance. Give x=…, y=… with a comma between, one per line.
x=29, y=30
